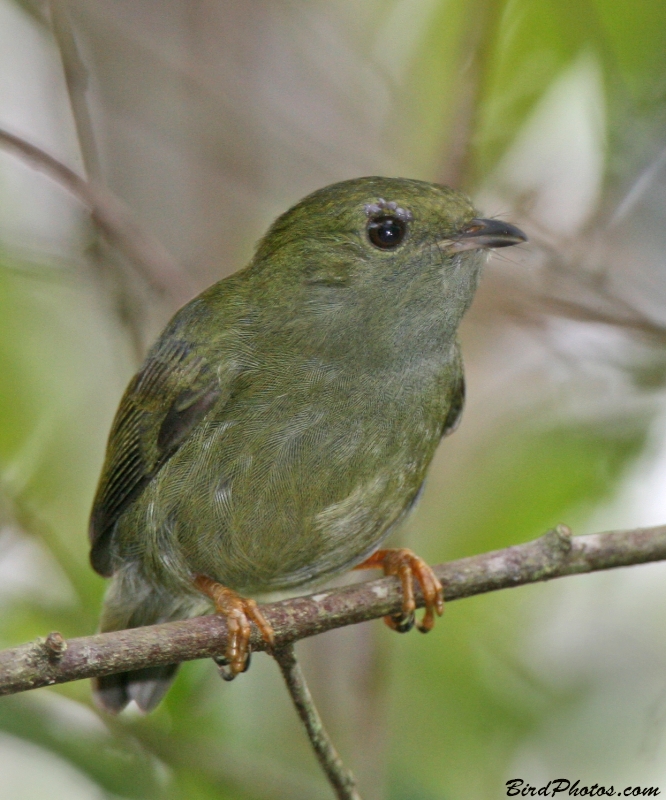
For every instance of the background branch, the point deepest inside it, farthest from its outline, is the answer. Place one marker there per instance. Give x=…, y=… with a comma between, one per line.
x=76, y=79
x=113, y=219
x=554, y=555
x=129, y=309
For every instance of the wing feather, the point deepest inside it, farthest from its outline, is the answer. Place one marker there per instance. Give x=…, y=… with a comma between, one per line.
x=163, y=404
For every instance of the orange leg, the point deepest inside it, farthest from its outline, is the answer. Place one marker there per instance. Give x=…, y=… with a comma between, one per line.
x=239, y=611
x=407, y=566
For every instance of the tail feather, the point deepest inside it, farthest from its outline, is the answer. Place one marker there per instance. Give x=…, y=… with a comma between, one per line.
x=145, y=686
x=132, y=602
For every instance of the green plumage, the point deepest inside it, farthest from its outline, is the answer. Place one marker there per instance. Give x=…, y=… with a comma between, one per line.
x=285, y=419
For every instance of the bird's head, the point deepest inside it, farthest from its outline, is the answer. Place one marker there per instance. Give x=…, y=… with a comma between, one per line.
x=373, y=255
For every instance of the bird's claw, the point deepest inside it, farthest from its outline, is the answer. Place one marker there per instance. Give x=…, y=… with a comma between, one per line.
x=401, y=623
x=407, y=566
x=239, y=612
x=224, y=668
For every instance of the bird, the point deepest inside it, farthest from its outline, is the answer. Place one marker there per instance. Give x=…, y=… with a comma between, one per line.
x=283, y=423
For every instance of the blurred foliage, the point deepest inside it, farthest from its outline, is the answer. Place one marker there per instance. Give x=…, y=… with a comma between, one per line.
x=211, y=118
x=464, y=687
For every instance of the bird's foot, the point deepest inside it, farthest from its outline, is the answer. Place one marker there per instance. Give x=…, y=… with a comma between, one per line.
x=407, y=566
x=239, y=612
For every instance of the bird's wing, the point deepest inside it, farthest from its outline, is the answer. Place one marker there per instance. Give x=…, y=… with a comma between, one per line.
x=457, y=400
x=164, y=402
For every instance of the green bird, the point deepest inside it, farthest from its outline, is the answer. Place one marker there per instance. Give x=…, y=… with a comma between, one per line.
x=284, y=421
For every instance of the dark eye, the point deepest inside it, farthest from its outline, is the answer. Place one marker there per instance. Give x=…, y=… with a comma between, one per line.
x=386, y=232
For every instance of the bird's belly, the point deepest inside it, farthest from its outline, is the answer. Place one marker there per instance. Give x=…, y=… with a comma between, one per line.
x=271, y=506
x=313, y=528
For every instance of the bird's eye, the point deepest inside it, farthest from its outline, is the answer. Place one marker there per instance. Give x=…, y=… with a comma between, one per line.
x=386, y=232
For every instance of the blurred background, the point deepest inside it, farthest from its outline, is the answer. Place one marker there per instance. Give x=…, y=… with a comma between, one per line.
x=207, y=119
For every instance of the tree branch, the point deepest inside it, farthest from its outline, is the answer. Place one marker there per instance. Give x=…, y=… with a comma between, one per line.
x=76, y=79
x=554, y=555
x=113, y=219
x=341, y=779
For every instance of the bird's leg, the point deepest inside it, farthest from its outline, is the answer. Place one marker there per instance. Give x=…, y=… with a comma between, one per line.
x=407, y=566
x=238, y=611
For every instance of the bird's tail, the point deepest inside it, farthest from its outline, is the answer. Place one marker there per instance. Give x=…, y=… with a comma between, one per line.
x=145, y=686
x=132, y=603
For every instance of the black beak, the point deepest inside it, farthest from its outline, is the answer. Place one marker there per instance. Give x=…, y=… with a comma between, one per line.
x=485, y=233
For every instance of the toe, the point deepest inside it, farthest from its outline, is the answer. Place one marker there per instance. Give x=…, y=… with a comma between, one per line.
x=239, y=611
x=400, y=622
x=408, y=567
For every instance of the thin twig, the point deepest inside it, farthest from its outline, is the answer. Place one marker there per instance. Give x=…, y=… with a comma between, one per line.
x=340, y=778
x=112, y=217
x=127, y=305
x=553, y=555
x=76, y=79
x=474, y=70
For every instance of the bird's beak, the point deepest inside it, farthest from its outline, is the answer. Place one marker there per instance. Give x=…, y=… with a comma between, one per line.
x=485, y=233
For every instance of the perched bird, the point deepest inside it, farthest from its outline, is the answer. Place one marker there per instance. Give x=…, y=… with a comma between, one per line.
x=284, y=421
